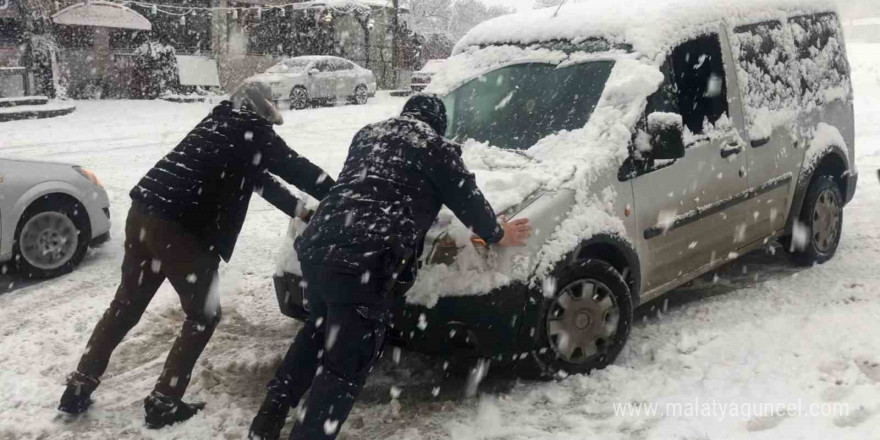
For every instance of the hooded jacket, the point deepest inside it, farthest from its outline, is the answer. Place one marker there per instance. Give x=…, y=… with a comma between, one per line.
x=206, y=182
x=397, y=176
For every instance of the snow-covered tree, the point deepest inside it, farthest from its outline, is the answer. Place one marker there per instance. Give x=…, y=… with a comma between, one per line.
x=440, y=23
x=449, y=18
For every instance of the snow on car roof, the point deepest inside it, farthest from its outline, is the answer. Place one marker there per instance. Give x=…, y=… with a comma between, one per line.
x=316, y=58
x=650, y=26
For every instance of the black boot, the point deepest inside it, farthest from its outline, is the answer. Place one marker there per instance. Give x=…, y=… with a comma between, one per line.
x=162, y=411
x=77, y=396
x=270, y=419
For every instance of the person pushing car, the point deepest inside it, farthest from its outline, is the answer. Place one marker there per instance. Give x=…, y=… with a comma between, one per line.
x=363, y=241
x=186, y=214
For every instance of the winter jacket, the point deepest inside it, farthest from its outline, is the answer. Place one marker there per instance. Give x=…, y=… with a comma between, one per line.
x=398, y=175
x=206, y=182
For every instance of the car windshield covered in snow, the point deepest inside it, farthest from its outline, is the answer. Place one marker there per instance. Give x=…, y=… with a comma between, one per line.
x=516, y=106
x=289, y=66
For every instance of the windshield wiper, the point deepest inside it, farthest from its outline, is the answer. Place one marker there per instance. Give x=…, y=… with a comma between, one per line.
x=524, y=154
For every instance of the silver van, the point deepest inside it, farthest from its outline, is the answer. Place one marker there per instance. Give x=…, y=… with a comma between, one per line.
x=649, y=146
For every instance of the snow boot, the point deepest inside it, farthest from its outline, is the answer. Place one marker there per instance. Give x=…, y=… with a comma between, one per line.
x=270, y=419
x=161, y=410
x=77, y=396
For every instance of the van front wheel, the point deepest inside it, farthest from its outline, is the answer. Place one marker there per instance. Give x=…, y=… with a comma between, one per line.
x=820, y=224
x=586, y=323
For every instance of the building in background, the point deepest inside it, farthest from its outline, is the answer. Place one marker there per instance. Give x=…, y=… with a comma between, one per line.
x=89, y=49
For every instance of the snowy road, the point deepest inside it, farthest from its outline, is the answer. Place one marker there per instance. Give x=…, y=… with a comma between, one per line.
x=763, y=333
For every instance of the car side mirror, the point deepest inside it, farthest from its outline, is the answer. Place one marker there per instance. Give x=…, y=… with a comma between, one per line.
x=314, y=72
x=666, y=130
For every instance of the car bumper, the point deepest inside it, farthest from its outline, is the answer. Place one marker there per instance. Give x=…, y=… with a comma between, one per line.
x=852, y=181
x=483, y=326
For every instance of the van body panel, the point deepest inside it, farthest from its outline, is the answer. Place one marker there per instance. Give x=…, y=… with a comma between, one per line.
x=738, y=186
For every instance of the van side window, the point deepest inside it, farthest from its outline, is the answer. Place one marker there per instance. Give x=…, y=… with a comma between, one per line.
x=765, y=69
x=698, y=73
x=820, y=52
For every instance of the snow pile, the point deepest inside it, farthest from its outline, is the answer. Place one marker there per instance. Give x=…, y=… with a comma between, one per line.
x=650, y=26
x=824, y=138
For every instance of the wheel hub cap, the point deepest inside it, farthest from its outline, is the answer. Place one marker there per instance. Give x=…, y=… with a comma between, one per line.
x=48, y=240
x=826, y=221
x=582, y=321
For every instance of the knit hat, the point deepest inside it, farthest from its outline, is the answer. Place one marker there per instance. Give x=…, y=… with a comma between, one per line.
x=427, y=108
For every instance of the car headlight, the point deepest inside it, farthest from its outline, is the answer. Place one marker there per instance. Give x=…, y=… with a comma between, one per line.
x=88, y=175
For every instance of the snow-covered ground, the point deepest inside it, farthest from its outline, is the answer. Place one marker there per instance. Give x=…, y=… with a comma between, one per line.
x=761, y=333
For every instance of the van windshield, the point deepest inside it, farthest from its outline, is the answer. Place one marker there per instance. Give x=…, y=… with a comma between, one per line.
x=516, y=106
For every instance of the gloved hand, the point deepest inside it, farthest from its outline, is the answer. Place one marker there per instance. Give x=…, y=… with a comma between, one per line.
x=306, y=215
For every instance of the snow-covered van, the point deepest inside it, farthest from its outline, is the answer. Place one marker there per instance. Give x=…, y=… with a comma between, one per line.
x=649, y=142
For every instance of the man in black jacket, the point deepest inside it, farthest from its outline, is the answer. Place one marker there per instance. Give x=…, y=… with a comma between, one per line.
x=186, y=215
x=361, y=241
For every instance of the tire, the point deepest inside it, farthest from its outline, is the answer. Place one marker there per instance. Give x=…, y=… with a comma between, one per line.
x=361, y=95
x=51, y=238
x=299, y=98
x=553, y=353
x=820, y=223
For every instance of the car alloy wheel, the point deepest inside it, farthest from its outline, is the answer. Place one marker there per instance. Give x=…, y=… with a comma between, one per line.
x=360, y=95
x=299, y=98
x=49, y=240
x=582, y=321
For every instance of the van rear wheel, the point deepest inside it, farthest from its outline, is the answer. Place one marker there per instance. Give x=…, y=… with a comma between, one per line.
x=584, y=326
x=820, y=224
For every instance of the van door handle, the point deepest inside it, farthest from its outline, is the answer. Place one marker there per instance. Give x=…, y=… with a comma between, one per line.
x=757, y=143
x=731, y=149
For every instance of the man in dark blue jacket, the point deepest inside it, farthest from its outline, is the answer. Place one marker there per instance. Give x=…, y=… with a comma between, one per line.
x=362, y=239
x=186, y=215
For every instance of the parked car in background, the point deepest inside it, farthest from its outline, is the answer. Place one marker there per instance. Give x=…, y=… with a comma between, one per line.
x=50, y=213
x=302, y=81
x=645, y=156
x=422, y=78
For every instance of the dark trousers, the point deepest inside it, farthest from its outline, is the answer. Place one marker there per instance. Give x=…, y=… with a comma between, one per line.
x=157, y=249
x=333, y=353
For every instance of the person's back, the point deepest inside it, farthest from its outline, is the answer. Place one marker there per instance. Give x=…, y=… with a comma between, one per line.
x=206, y=182
x=398, y=175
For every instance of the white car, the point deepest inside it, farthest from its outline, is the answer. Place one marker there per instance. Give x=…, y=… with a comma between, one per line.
x=50, y=213
x=311, y=79
x=422, y=78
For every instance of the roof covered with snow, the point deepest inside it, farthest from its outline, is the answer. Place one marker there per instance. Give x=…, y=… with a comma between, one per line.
x=650, y=26
x=102, y=14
